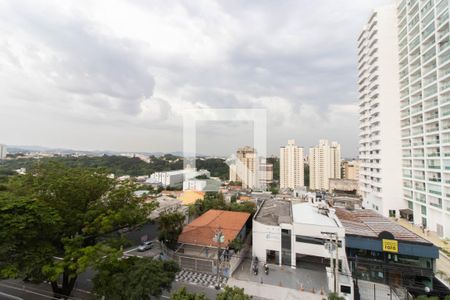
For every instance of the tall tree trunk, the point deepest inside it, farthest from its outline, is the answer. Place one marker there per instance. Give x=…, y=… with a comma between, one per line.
x=64, y=291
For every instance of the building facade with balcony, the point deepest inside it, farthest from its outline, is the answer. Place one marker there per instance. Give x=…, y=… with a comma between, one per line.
x=424, y=74
x=380, y=178
x=324, y=163
x=291, y=166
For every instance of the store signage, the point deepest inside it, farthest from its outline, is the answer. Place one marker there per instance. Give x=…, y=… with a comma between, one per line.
x=390, y=246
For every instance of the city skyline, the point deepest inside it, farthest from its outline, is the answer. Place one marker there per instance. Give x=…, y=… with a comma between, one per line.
x=102, y=83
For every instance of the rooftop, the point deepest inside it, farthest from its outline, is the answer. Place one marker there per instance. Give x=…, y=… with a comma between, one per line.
x=307, y=213
x=274, y=212
x=203, y=229
x=368, y=223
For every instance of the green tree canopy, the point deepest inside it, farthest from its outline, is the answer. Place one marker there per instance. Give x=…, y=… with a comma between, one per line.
x=182, y=294
x=133, y=278
x=233, y=293
x=68, y=213
x=170, y=227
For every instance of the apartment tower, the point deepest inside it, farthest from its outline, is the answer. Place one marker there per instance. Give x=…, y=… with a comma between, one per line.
x=379, y=144
x=246, y=167
x=324, y=163
x=424, y=76
x=291, y=166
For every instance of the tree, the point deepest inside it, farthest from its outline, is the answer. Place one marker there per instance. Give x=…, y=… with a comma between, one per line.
x=334, y=296
x=170, y=227
x=182, y=294
x=69, y=213
x=133, y=278
x=236, y=244
x=233, y=293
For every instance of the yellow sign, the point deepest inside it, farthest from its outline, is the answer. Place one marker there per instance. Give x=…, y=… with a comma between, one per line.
x=390, y=246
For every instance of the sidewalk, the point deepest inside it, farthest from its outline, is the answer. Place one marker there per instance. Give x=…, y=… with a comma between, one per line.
x=273, y=292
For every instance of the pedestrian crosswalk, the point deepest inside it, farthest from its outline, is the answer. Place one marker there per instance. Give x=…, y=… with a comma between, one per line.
x=203, y=279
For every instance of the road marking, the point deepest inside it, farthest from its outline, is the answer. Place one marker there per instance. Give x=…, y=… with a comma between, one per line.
x=26, y=291
x=131, y=250
x=11, y=296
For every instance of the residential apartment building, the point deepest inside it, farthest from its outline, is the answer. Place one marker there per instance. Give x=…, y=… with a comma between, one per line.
x=424, y=75
x=350, y=169
x=324, y=163
x=3, y=151
x=245, y=167
x=379, y=145
x=265, y=174
x=253, y=171
x=291, y=166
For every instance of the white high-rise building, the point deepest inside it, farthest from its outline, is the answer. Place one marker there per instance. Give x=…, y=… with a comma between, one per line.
x=3, y=151
x=246, y=168
x=379, y=107
x=324, y=163
x=291, y=166
x=424, y=71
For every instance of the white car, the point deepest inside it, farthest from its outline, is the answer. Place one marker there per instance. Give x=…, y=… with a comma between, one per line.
x=145, y=246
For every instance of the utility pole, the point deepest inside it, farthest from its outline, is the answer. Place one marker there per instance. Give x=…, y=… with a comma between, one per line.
x=333, y=244
x=218, y=239
x=336, y=272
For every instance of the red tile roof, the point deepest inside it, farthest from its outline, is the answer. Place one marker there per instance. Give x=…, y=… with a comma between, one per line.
x=203, y=229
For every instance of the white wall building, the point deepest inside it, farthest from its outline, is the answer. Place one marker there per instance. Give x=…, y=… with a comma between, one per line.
x=292, y=234
x=175, y=178
x=324, y=163
x=291, y=166
x=3, y=151
x=249, y=169
x=424, y=71
x=379, y=144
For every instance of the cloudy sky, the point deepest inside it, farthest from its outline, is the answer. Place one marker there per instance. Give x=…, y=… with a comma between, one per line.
x=120, y=75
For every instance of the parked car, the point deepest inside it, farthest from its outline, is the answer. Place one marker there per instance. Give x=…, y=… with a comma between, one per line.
x=145, y=246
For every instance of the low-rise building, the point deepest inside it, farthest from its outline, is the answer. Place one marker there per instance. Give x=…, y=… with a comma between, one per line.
x=208, y=238
x=189, y=197
x=383, y=251
x=210, y=185
x=300, y=235
x=168, y=204
x=175, y=178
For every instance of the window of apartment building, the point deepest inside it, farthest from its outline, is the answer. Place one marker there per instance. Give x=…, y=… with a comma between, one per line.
x=423, y=210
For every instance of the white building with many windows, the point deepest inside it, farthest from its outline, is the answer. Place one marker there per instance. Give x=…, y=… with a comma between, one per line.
x=379, y=144
x=424, y=71
x=324, y=163
x=291, y=166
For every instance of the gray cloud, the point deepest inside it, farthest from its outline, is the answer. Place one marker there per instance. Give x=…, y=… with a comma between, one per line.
x=133, y=68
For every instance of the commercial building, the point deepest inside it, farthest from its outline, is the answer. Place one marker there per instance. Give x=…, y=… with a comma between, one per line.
x=291, y=166
x=424, y=68
x=350, y=169
x=379, y=106
x=175, y=178
x=301, y=235
x=380, y=250
x=3, y=151
x=324, y=163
